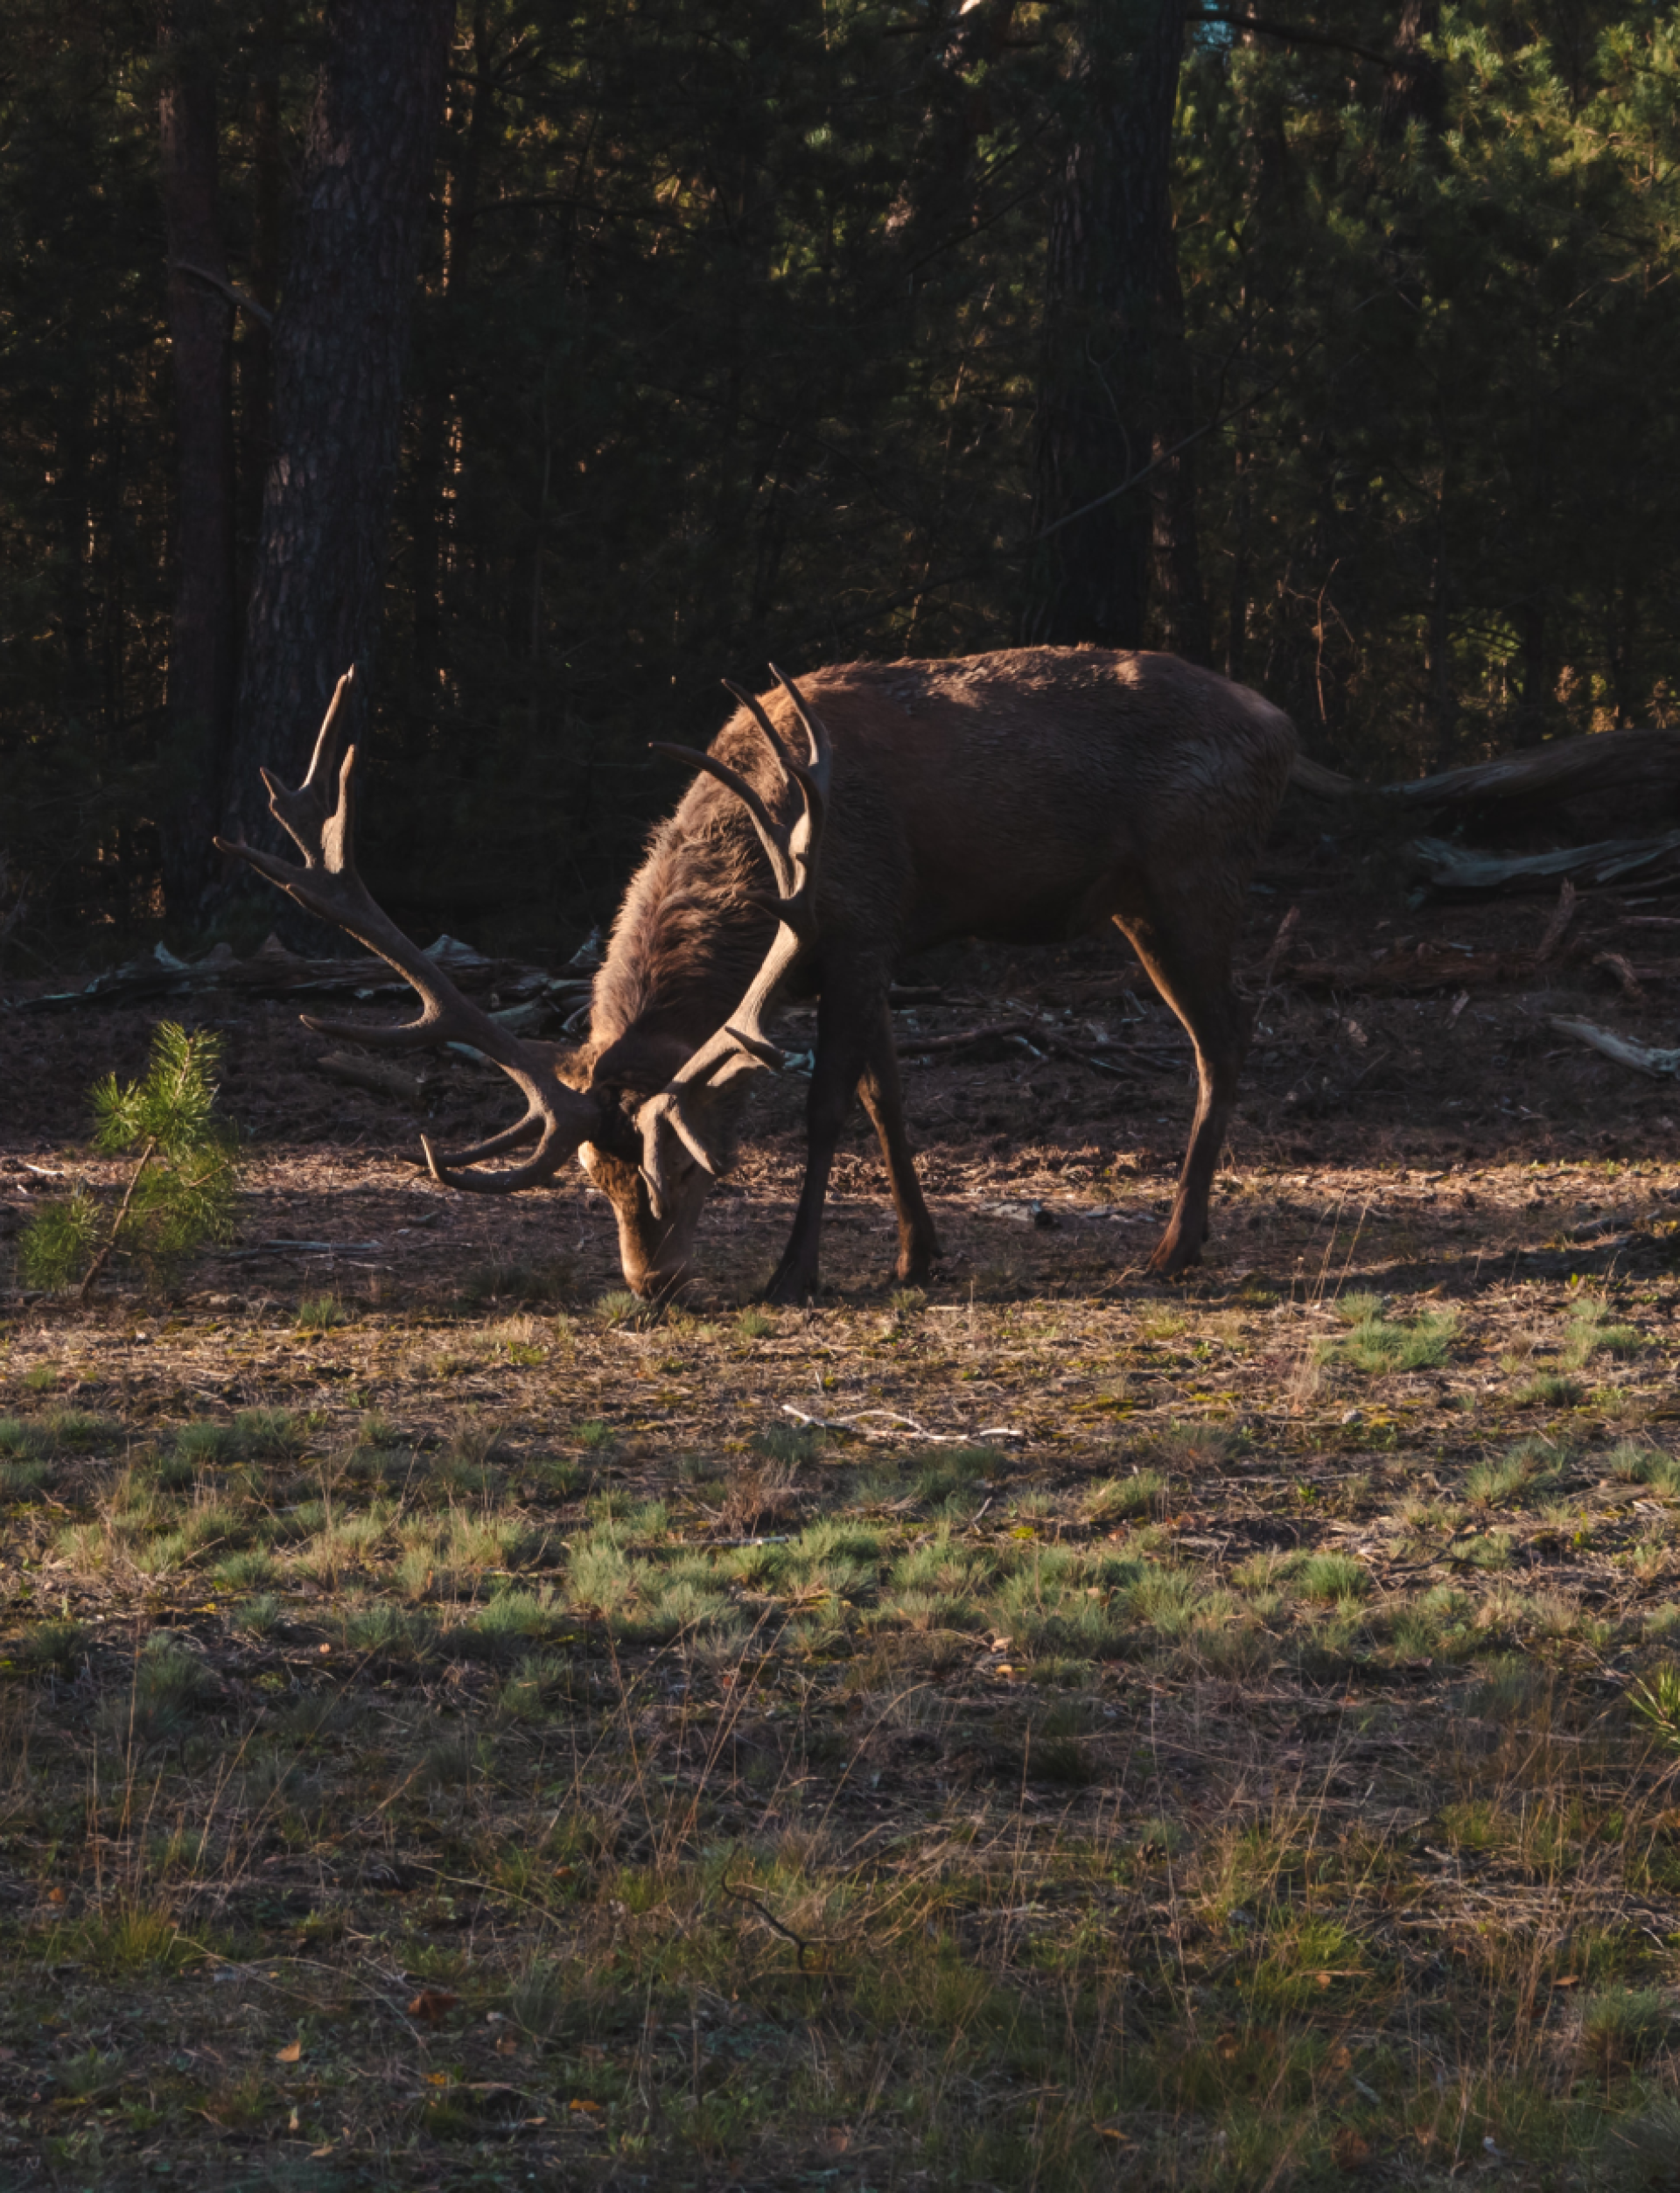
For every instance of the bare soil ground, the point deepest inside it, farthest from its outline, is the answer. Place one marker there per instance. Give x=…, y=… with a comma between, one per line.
x=1048, y=1729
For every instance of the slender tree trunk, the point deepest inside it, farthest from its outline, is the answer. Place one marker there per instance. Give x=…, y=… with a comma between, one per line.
x=1534, y=694
x=937, y=197
x=1415, y=86
x=1443, y=683
x=1112, y=349
x=1178, y=611
x=339, y=343
x=1236, y=617
x=253, y=354
x=201, y=645
x=434, y=470
x=1620, y=632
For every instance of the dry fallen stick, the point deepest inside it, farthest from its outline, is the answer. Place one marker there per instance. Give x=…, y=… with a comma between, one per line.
x=1621, y=967
x=856, y=1424
x=1641, y=1056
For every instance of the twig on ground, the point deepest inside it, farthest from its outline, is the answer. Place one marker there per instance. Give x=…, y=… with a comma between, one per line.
x=856, y=1424
x=776, y=1925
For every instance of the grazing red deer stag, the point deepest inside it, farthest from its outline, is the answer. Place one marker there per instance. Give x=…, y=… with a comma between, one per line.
x=1025, y=798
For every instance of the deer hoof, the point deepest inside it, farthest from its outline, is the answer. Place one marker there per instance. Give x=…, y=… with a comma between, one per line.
x=1172, y=1259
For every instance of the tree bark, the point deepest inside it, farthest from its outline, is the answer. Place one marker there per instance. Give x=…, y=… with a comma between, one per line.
x=253, y=359
x=1534, y=691
x=202, y=633
x=1415, y=86
x=339, y=344
x=1112, y=391
x=1179, y=611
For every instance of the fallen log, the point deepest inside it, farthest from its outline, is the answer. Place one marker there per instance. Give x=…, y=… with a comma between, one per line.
x=273, y=971
x=1415, y=972
x=382, y=1076
x=1639, y=769
x=1611, y=860
x=1604, y=789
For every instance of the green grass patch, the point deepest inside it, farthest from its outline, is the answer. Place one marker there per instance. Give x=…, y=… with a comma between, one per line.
x=1379, y=1345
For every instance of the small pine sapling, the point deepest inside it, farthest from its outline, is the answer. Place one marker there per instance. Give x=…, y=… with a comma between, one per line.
x=181, y=1189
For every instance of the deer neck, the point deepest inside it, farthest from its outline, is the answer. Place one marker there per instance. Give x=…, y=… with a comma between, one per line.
x=684, y=951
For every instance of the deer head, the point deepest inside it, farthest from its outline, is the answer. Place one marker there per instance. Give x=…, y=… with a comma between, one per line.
x=657, y=1168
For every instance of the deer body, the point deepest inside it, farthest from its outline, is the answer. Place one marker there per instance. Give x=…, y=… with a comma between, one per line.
x=1025, y=798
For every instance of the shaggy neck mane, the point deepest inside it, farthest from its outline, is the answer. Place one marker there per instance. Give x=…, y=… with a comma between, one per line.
x=686, y=943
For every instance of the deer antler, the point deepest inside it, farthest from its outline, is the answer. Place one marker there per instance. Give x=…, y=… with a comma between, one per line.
x=328, y=885
x=741, y=1043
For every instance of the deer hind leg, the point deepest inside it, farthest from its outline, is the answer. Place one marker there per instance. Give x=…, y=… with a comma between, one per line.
x=883, y=1102
x=1186, y=949
x=846, y=1018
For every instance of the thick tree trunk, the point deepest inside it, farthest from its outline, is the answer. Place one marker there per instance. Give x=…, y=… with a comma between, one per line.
x=201, y=646
x=1111, y=394
x=339, y=343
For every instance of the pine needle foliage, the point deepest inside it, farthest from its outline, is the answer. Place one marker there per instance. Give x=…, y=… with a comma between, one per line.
x=179, y=1194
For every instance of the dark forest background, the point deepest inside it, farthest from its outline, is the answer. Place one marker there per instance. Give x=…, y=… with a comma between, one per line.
x=559, y=358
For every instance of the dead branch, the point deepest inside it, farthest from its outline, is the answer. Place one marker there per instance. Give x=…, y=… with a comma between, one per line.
x=1610, y=860
x=1621, y=967
x=1301, y=34
x=1641, y=1056
x=235, y=296
x=1563, y=914
x=273, y=971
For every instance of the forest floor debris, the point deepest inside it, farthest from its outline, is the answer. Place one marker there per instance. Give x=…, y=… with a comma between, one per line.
x=465, y=1728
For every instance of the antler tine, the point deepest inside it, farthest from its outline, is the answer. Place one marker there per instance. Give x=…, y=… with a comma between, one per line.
x=329, y=885
x=558, y=1142
x=525, y=1129
x=760, y=715
x=813, y=727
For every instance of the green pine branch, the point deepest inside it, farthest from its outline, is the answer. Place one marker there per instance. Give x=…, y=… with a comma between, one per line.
x=179, y=1194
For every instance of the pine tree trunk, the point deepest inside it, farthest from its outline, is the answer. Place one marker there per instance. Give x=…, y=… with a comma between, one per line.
x=1178, y=610
x=253, y=357
x=1112, y=350
x=340, y=340
x=1534, y=693
x=202, y=633
x=1416, y=89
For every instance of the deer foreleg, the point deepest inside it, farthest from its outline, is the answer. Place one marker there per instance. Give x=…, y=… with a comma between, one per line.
x=883, y=1100
x=844, y=1044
